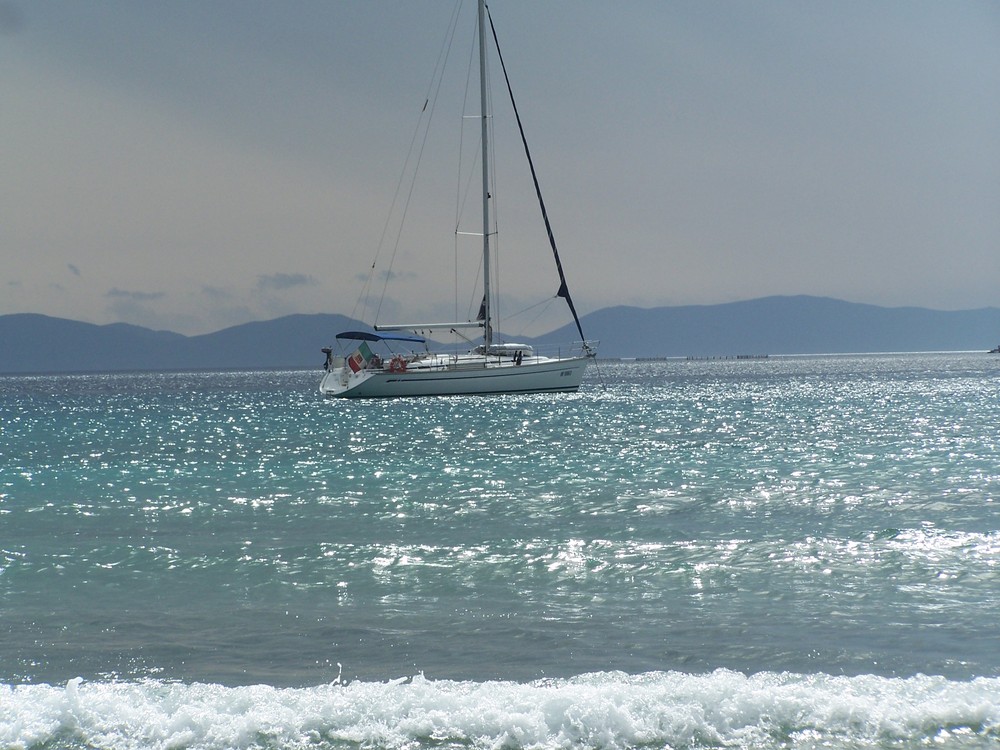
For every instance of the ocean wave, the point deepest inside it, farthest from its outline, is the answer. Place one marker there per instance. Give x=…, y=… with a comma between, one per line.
x=721, y=709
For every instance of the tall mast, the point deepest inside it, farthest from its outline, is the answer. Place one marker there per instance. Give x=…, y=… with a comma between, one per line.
x=487, y=327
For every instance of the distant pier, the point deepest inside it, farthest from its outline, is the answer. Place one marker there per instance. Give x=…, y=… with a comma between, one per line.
x=689, y=359
x=737, y=356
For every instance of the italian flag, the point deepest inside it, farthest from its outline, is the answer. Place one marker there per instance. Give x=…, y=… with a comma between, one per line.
x=360, y=358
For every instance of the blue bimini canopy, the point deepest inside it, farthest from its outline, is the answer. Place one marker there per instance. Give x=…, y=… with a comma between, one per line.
x=365, y=336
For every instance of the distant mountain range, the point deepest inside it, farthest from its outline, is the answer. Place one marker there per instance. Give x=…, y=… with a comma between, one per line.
x=785, y=325
x=771, y=325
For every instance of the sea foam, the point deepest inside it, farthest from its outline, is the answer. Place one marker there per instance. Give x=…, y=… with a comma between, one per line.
x=599, y=710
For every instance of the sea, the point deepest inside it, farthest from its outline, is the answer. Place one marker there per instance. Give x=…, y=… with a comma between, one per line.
x=756, y=553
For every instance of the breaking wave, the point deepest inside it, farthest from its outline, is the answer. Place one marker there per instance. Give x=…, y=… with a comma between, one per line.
x=721, y=709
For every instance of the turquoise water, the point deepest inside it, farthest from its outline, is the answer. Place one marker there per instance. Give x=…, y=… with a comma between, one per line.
x=790, y=552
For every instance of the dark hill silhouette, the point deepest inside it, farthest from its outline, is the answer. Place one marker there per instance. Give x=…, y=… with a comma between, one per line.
x=38, y=343
x=291, y=341
x=771, y=325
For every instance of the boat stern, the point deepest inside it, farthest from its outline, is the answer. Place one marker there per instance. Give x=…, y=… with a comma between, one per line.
x=340, y=381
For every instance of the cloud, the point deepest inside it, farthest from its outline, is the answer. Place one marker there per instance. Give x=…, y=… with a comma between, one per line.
x=133, y=307
x=216, y=293
x=73, y=269
x=278, y=282
x=123, y=294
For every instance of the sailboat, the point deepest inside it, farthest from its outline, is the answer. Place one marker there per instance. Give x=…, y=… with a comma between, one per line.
x=406, y=365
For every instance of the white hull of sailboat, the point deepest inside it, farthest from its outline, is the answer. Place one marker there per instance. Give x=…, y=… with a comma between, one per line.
x=458, y=377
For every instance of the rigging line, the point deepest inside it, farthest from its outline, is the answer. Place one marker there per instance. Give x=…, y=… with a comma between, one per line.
x=366, y=288
x=462, y=195
x=475, y=300
x=600, y=374
x=563, y=288
x=430, y=98
x=540, y=312
x=523, y=327
x=439, y=76
x=496, y=305
x=545, y=304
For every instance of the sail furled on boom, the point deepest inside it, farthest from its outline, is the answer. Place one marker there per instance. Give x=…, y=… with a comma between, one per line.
x=563, y=287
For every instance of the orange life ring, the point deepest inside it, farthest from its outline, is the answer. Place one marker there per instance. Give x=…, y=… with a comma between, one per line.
x=397, y=364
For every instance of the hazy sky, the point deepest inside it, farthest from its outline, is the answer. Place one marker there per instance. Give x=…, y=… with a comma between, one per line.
x=191, y=165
